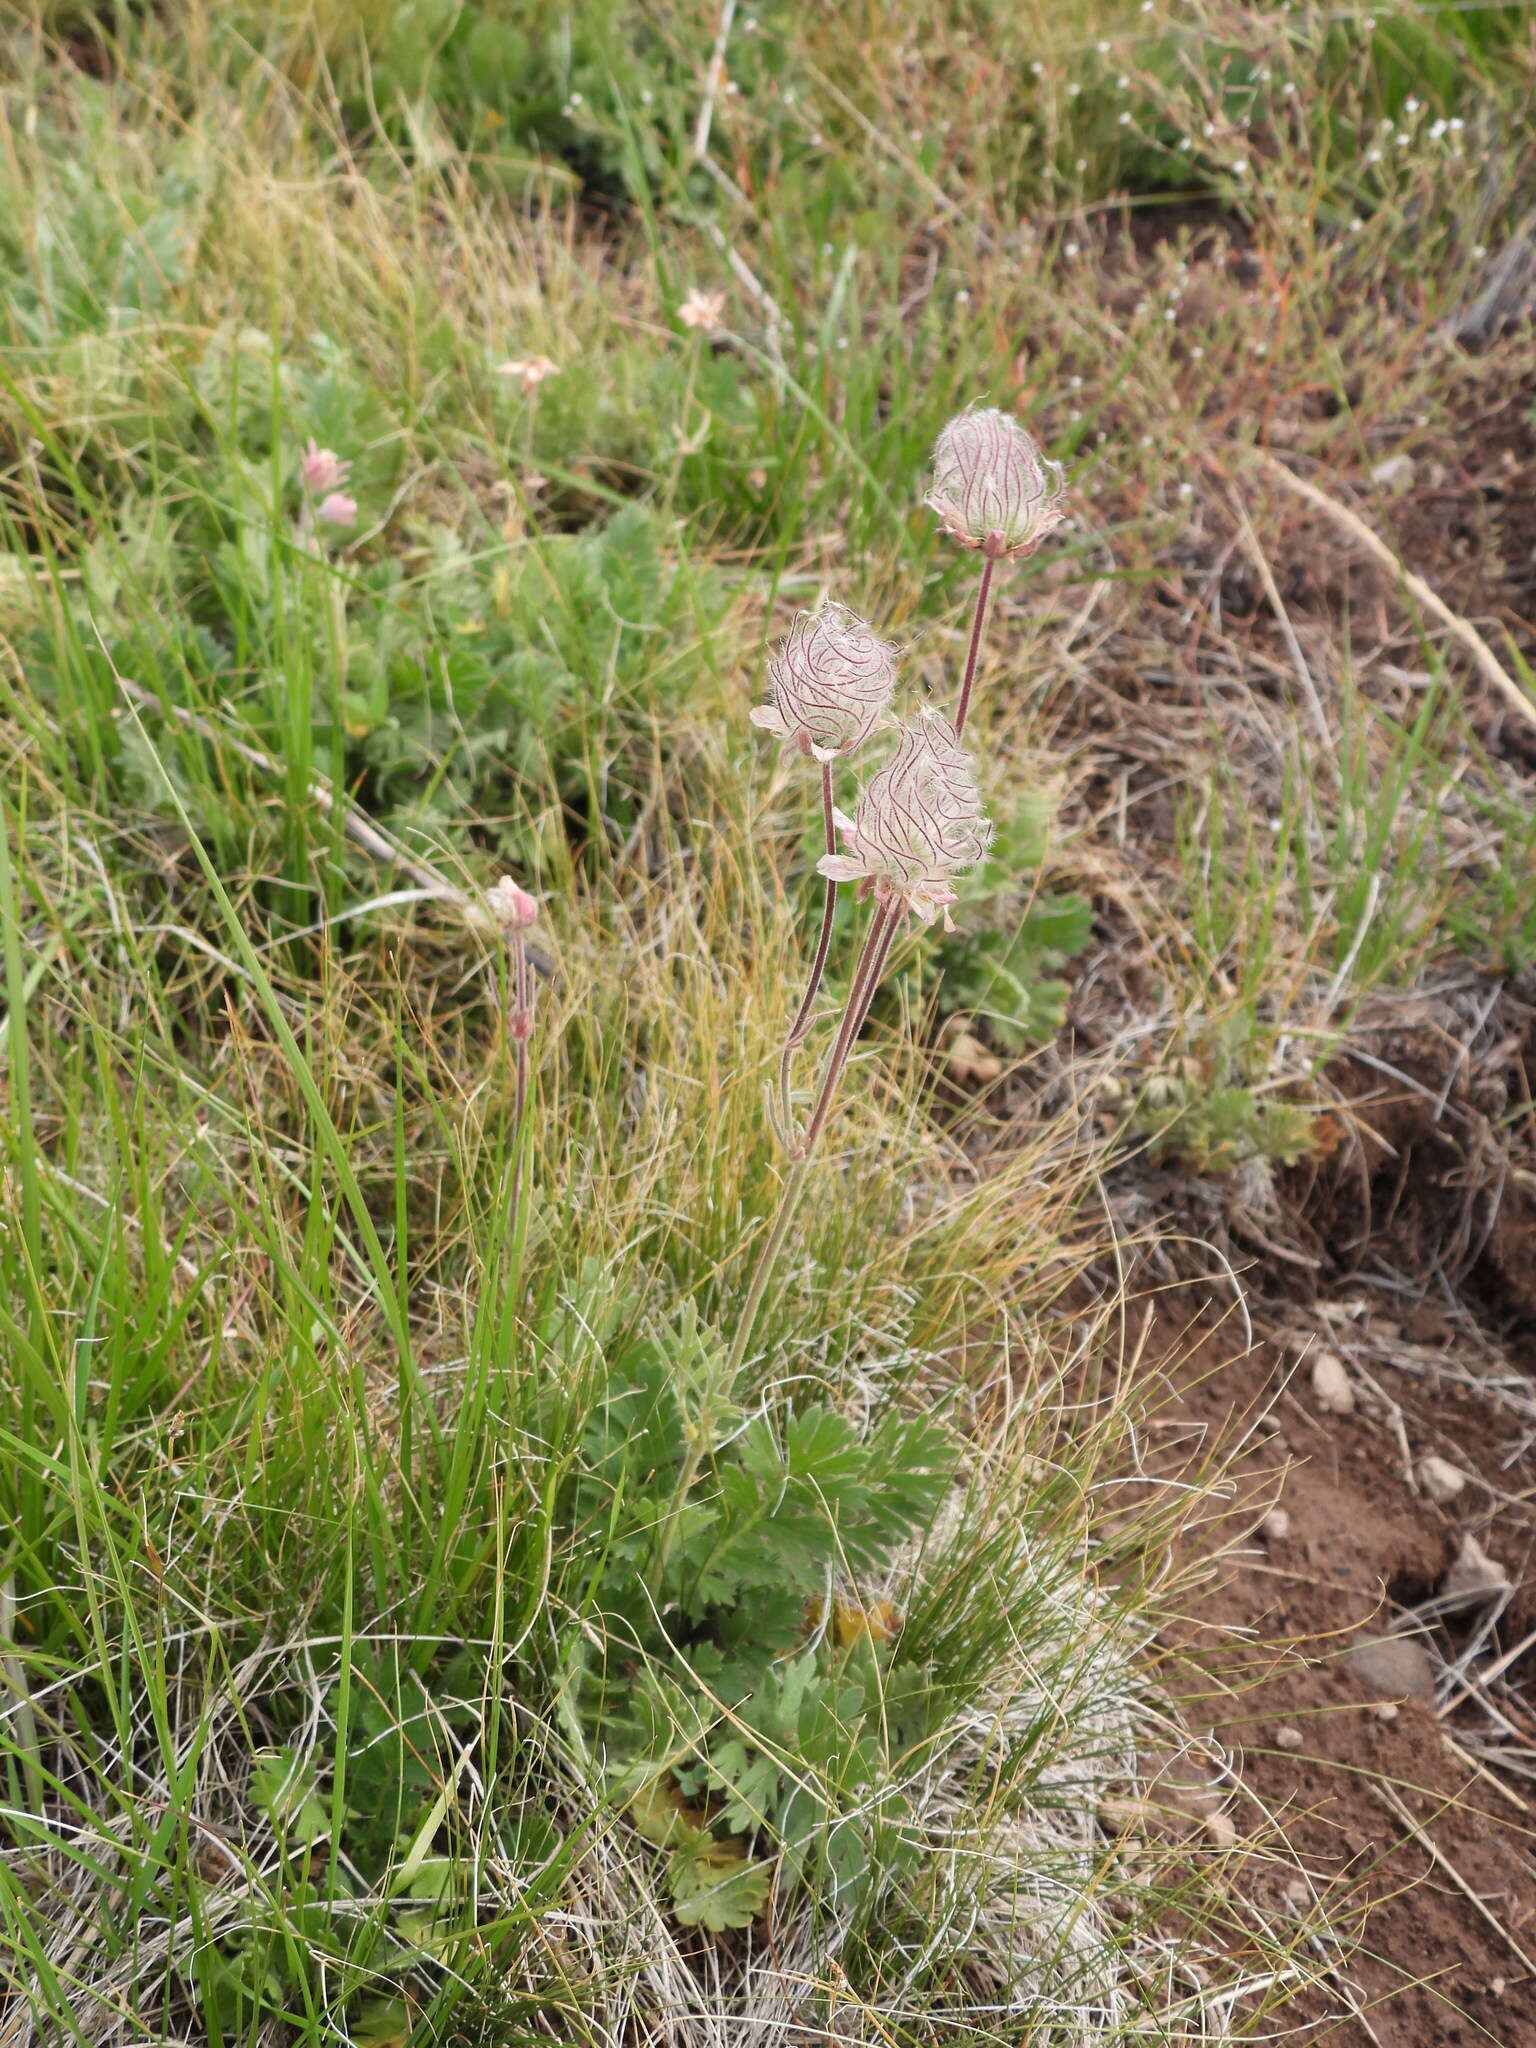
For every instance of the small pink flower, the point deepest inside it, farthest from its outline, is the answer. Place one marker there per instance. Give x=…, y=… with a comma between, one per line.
x=703, y=309
x=337, y=509
x=917, y=824
x=515, y=909
x=322, y=469
x=530, y=372
x=829, y=684
x=992, y=487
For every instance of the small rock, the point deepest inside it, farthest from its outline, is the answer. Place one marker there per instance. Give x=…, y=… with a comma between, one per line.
x=1297, y=1896
x=1386, y=1710
x=1221, y=1829
x=970, y=1060
x=1396, y=473
x=1287, y=1738
x=1122, y=1816
x=1331, y=1388
x=1439, y=1479
x=1472, y=1581
x=1276, y=1526
x=1394, y=1664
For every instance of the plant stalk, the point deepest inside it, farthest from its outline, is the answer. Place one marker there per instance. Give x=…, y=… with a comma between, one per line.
x=519, y=1024
x=802, y=1023
x=963, y=709
x=866, y=980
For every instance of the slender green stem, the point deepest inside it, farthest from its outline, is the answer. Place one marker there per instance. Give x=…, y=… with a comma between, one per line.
x=963, y=709
x=802, y=1023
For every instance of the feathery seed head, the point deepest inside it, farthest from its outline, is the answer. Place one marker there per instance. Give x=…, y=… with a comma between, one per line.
x=993, y=489
x=829, y=684
x=918, y=823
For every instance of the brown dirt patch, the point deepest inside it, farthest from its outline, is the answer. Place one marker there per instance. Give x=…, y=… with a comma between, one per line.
x=1319, y=1756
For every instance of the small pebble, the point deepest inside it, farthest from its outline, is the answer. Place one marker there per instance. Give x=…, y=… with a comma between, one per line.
x=1221, y=1829
x=1385, y=1710
x=1473, y=1580
x=1276, y=1526
x=1396, y=1665
x=1331, y=1388
x=1439, y=1479
x=1287, y=1738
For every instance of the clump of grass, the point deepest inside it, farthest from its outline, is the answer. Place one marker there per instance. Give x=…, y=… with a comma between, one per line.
x=392, y=1645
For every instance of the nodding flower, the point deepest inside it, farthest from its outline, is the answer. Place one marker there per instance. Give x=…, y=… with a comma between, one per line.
x=321, y=468
x=515, y=910
x=992, y=487
x=829, y=684
x=918, y=824
x=337, y=509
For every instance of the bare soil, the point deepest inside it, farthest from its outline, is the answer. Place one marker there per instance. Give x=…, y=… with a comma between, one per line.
x=1404, y=1247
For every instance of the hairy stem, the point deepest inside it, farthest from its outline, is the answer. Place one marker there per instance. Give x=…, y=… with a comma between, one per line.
x=866, y=980
x=963, y=710
x=802, y=1023
x=520, y=1019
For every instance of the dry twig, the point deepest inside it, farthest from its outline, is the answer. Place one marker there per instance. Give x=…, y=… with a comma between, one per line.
x=1351, y=523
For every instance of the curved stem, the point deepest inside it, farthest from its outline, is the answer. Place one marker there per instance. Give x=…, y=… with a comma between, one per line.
x=802, y=1023
x=963, y=709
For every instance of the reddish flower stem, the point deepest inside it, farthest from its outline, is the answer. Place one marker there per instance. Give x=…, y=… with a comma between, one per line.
x=877, y=946
x=963, y=710
x=802, y=1023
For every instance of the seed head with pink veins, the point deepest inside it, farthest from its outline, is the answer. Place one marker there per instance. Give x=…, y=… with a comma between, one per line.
x=993, y=489
x=829, y=684
x=919, y=822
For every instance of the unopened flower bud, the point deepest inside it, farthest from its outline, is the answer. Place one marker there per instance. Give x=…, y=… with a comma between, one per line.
x=515, y=909
x=321, y=468
x=829, y=685
x=992, y=487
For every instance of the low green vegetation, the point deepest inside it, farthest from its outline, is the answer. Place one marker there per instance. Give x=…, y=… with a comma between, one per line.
x=413, y=1629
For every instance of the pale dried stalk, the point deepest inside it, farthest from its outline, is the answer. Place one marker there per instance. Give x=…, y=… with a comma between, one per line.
x=1351, y=523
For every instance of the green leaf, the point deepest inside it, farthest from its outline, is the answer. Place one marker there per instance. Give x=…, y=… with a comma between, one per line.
x=283, y=1785
x=718, y=1888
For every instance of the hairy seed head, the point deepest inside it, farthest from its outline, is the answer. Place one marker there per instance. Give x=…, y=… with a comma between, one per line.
x=918, y=823
x=829, y=684
x=992, y=487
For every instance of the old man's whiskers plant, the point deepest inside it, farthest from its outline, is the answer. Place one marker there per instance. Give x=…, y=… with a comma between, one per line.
x=918, y=822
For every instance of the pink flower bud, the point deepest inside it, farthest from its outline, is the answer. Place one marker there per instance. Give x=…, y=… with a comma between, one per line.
x=515, y=909
x=704, y=310
x=337, y=509
x=992, y=487
x=918, y=823
x=829, y=685
x=322, y=470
